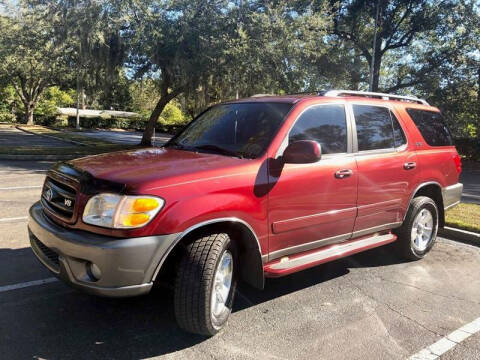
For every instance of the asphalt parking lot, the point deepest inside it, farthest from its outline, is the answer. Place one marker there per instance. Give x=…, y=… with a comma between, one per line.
x=369, y=306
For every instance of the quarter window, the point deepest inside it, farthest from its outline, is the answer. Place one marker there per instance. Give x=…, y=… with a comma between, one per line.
x=325, y=124
x=374, y=127
x=398, y=134
x=432, y=127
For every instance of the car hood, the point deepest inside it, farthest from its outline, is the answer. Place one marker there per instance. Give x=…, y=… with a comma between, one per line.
x=151, y=167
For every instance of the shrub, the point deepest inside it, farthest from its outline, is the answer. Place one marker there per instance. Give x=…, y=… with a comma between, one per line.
x=469, y=148
x=171, y=115
x=7, y=118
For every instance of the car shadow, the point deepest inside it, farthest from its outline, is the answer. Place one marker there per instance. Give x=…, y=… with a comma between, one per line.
x=53, y=321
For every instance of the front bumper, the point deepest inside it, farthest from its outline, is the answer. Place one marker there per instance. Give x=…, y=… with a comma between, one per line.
x=127, y=266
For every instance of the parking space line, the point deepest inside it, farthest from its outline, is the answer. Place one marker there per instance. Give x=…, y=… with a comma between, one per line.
x=27, y=284
x=13, y=219
x=448, y=342
x=21, y=187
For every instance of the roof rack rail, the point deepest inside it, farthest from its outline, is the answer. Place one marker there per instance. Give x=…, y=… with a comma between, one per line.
x=337, y=93
x=262, y=95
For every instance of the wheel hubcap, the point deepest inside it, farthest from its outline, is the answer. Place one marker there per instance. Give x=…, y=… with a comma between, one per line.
x=422, y=230
x=222, y=284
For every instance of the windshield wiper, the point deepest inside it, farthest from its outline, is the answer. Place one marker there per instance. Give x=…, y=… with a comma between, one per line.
x=218, y=149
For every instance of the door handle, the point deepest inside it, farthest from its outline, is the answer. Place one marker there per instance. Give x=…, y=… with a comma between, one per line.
x=409, y=165
x=342, y=174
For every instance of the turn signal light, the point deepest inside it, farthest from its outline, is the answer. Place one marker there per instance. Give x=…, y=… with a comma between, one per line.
x=135, y=219
x=145, y=204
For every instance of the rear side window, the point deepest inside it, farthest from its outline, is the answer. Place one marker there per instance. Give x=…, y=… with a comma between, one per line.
x=374, y=127
x=325, y=124
x=432, y=127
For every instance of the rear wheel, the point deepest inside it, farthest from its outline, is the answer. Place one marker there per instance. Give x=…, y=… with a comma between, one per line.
x=418, y=232
x=205, y=284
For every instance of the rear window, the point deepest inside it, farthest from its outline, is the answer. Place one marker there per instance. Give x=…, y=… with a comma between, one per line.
x=432, y=127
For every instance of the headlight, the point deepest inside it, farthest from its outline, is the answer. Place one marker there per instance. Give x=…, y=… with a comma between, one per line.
x=121, y=211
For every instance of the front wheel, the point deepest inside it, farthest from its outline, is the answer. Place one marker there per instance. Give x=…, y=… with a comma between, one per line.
x=205, y=284
x=418, y=232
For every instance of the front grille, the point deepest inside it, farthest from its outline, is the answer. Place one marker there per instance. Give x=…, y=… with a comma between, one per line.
x=58, y=198
x=51, y=255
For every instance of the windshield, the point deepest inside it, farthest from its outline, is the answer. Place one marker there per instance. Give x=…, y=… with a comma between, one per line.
x=239, y=129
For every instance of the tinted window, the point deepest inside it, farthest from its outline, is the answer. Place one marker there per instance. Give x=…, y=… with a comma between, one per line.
x=241, y=129
x=325, y=124
x=432, y=127
x=374, y=127
x=398, y=133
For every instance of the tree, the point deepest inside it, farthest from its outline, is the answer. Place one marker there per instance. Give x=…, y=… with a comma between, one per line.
x=92, y=29
x=32, y=57
x=174, y=42
x=399, y=24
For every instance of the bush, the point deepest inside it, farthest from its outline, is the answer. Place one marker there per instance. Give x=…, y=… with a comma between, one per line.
x=121, y=123
x=8, y=118
x=50, y=120
x=171, y=115
x=469, y=148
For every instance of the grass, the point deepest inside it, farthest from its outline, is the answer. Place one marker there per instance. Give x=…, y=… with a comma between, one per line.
x=464, y=216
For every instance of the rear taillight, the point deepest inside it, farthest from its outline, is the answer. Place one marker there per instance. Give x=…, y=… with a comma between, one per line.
x=458, y=163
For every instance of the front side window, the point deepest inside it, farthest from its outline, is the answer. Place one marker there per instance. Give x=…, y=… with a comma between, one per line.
x=238, y=129
x=432, y=127
x=374, y=127
x=325, y=124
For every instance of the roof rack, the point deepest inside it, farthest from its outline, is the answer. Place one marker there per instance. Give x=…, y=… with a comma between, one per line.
x=337, y=93
x=262, y=95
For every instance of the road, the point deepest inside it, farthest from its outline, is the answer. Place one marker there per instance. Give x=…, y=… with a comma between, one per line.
x=471, y=185
x=369, y=306
x=123, y=137
x=9, y=136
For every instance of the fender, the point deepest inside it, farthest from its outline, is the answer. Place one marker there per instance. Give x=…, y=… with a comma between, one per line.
x=254, y=258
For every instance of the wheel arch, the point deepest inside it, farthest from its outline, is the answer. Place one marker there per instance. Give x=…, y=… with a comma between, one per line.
x=250, y=256
x=433, y=190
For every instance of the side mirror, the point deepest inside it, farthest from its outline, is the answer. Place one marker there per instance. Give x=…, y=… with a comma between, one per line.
x=302, y=152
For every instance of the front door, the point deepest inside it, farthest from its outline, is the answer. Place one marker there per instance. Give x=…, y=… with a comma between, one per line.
x=313, y=205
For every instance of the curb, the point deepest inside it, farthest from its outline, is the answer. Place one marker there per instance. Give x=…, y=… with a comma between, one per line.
x=39, y=157
x=51, y=137
x=464, y=236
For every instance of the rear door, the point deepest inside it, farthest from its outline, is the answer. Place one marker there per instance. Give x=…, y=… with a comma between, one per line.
x=310, y=205
x=386, y=168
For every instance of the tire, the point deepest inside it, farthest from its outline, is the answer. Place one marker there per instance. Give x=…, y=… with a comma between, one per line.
x=196, y=309
x=414, y=238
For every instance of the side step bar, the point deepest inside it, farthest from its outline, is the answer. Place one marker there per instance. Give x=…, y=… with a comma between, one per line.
x=288, y=265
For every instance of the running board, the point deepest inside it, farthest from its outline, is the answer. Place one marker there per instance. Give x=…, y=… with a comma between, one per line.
x=288, y=265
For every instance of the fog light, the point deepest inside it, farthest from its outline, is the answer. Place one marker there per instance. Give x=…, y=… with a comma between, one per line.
x=94, y=271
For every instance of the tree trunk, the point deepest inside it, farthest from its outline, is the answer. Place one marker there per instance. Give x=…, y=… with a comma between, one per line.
x=29, y=114
x=77, y=117
x=152, y=121
x=478, y=106
x=376, y=73
x=29, y=107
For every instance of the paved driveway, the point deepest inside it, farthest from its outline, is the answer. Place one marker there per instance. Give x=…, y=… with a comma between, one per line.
x=124, y=137
x=10, y=136
x=368, y=306
x=471, y=186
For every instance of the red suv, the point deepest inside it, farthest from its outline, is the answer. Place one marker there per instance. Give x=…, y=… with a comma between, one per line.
x=253, y=188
